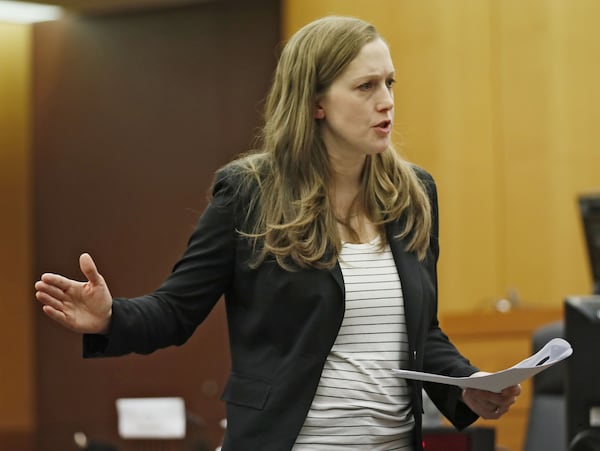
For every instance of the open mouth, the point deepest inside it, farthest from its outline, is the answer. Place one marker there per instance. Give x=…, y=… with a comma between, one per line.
x=384, y=125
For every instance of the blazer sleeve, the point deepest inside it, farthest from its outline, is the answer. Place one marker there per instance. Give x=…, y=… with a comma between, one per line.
x=441, y=356
x=169, y=315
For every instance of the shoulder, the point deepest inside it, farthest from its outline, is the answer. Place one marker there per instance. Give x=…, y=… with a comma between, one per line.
x=237, y=176
x=422, y=174
x=227, y=177
x=238, y=185
x=427, y=181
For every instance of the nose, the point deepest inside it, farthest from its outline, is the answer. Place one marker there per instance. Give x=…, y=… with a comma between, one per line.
x=386, y=99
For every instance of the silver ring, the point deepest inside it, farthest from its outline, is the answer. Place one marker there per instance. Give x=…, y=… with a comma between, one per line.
x=497, y=410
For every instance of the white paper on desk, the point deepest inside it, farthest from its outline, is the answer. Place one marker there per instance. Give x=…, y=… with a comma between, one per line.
x=553, y=352
x=151, y=418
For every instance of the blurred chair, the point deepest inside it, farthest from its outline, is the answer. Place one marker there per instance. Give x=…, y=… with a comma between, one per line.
x=588, y=440
x=547, y=425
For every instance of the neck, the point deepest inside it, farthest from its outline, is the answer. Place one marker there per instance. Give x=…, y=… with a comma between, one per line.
x=344, y=192
x=346, y=171
x=345, y=184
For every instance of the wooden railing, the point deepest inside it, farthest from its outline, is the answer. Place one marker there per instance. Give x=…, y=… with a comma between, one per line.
x=494, y=341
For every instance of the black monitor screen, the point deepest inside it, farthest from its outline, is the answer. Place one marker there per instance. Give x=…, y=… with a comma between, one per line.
x=589, y=205
x=582, y=388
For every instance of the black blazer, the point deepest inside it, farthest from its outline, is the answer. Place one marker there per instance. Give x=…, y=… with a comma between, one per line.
x=282, y=324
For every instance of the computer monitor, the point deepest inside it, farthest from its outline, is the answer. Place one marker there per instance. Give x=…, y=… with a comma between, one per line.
x=589, y=207
x=582, y=387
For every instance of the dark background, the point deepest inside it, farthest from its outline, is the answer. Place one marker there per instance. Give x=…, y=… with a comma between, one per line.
x=132, y=115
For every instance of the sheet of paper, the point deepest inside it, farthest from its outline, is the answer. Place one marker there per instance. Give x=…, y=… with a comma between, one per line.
x=151, y=418
x=553, y=352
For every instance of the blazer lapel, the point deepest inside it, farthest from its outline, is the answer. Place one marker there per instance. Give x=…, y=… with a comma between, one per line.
x=410, y=278
x=336, y=273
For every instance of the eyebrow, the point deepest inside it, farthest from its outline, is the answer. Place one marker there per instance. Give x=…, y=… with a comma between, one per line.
x=370, y=75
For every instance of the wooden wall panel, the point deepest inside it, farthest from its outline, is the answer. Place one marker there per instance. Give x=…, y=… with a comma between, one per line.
x=442, y=122
x=497, y=99
x=16, y=329
x=496, y=341
x=132, y=116
x=547, y=113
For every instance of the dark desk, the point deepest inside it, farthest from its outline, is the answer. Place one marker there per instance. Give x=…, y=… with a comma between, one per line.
x=449, y=439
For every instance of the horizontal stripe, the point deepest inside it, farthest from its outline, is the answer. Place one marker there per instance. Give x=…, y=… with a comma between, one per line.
x=359, y=405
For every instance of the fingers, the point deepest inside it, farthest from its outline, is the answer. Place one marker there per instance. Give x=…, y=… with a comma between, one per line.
x=54, y=314
x=54, y=284
x=79, y=306
x=50, y=289
x=491, y=405
x=500, y=402
x=484, y=403
x=56, y=280
x=89, y=270
x=54, y=290
x=496, y=412
x=507, y=398
x=515, y=390
x=49, y=295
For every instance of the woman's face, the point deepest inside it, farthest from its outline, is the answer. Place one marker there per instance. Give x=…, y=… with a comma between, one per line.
x=357, y=109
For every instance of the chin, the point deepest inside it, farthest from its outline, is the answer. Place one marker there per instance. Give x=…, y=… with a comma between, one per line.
x=379, y=149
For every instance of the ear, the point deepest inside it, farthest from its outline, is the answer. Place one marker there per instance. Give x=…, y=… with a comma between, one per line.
x=319, y=113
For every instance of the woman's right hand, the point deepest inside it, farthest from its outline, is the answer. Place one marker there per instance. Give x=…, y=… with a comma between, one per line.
x=83, y=307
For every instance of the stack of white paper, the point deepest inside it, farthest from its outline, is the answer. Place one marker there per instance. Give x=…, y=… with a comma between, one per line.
x=553, y=352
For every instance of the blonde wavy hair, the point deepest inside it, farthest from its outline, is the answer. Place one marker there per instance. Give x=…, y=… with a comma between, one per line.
x=292, y=215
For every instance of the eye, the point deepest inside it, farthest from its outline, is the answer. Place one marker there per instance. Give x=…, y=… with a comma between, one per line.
x=390, y=82
x=365, y=86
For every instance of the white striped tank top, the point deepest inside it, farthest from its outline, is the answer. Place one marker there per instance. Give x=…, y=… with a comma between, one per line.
x=359, y=404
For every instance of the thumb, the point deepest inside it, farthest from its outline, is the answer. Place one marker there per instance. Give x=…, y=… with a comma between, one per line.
x=88, y=268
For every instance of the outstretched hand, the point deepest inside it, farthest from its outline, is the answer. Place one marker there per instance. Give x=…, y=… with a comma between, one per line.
x=490, y=405
x=84, y=307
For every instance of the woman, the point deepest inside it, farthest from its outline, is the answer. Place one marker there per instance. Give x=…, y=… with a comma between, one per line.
x=324, y=243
